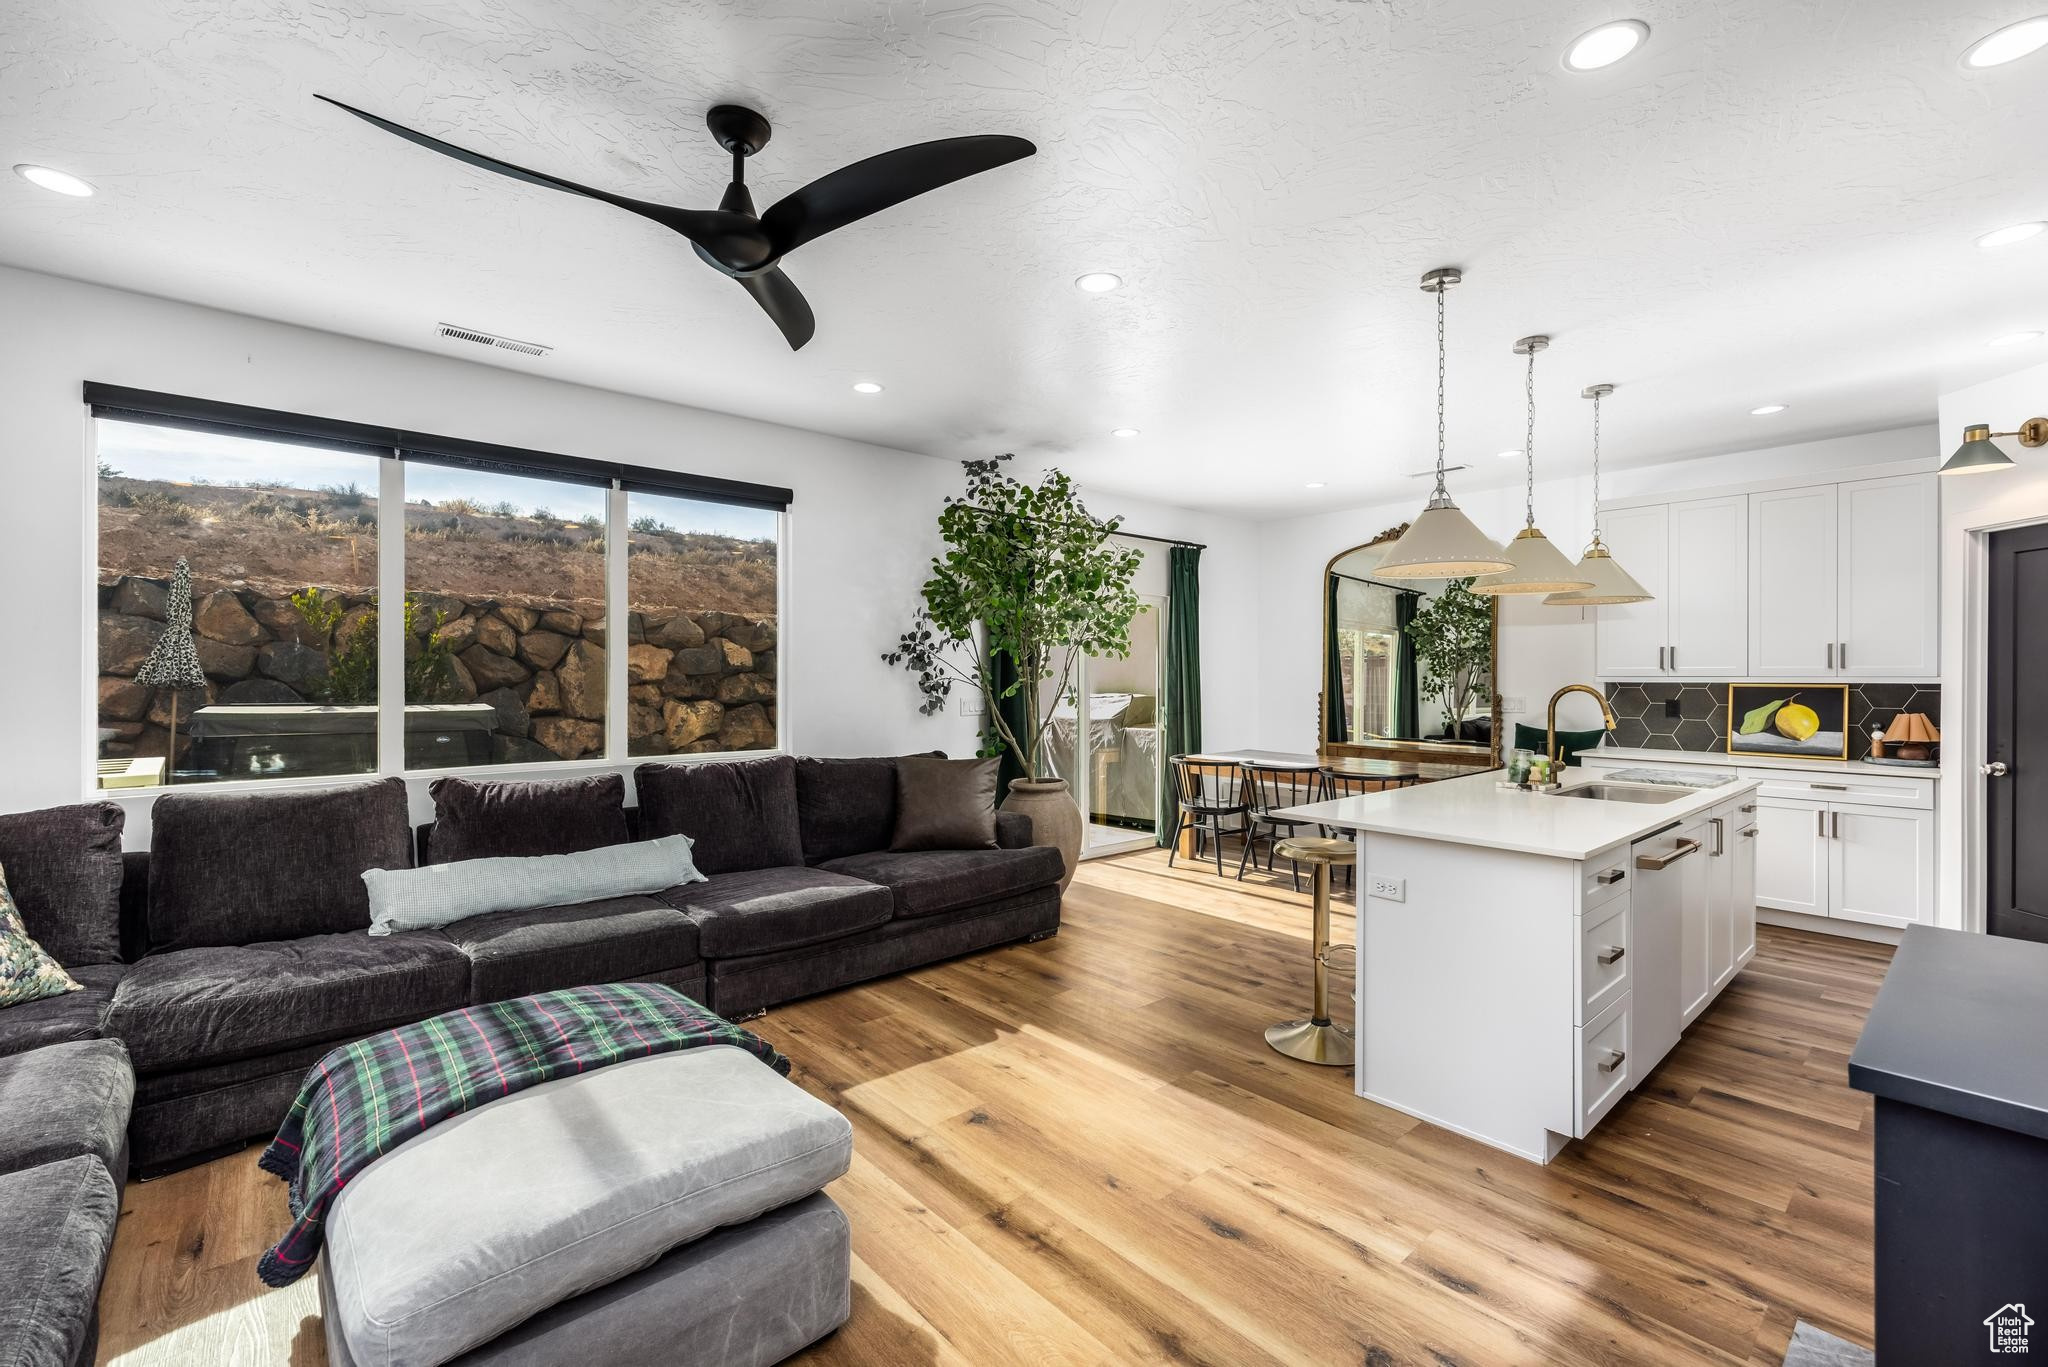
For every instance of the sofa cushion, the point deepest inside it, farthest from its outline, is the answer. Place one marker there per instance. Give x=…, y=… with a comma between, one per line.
x=496, y=820
x=768, y=909
x=516, y=953
x=270, y=866
x=64, y=865
x=846, y=806
x=945, y=804
x=64, y=1101
x=196, y=1006
x=54, y=1242
x=68, y=1016
x=927, y=881
x=741, y=813
x=427, y=1260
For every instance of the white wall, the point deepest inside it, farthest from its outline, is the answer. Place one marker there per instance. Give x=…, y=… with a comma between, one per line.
x=1541, y=648
x=1972, y=505
x=861, y=531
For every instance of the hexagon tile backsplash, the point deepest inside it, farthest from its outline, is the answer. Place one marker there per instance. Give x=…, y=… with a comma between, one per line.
x=1642, y=713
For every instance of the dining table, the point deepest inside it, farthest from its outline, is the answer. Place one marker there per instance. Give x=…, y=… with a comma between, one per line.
x=1351, y=766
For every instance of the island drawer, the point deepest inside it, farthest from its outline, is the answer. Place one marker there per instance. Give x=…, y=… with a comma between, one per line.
x=1603, y=878
x=1603, y=1070
x=1605, y=968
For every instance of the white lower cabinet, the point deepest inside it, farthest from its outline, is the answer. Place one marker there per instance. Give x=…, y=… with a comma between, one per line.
x=1791, y=855
x=1846, y=860
x=1605, y=1071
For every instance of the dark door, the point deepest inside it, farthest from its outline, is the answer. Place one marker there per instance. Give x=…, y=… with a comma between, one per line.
x=2017, y=762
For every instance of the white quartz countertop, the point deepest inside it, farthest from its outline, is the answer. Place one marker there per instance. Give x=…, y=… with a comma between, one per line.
x=1716, y=759
x=1477, y=811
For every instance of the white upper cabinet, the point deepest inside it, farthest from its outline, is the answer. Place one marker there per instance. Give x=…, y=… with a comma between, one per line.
x=1792, y=582
x=1634, y=638
x=1889, y=579
x=1709, y=632
x=1819, y=581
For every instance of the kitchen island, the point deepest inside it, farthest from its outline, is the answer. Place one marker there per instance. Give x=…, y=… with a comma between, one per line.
x=1524, y=959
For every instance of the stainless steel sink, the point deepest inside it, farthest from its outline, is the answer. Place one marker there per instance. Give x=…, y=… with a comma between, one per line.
x=1625, y=792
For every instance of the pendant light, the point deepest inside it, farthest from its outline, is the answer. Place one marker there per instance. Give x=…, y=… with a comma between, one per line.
x=1540, y=567
x=1610, y=582
x=1441, y=543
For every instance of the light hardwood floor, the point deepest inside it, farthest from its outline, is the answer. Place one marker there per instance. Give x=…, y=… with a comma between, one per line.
x=1081, y=1151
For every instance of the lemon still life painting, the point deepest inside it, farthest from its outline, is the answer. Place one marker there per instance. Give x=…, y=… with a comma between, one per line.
x=1808, y=720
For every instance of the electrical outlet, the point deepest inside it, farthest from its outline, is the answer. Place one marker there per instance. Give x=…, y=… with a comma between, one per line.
x=972, y=705
x=1387, y=889
x=1513, y=707
x=1671, y=707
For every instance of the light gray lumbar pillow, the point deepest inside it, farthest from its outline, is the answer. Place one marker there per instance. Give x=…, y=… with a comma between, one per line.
x=438, y=894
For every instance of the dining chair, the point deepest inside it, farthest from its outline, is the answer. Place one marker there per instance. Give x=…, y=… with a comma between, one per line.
x=1208, y=796
x=1268, y=788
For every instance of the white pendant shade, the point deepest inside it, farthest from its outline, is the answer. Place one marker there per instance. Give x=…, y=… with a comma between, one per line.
x=1609, y=583
x=1539, y=567
x=1442, y=543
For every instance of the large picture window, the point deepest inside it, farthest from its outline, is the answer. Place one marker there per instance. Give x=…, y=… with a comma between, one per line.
x=263, y=665
x=507, y=570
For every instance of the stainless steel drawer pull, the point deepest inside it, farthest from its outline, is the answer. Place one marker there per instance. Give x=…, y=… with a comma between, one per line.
x=1830, y=787
x=1750, y=831
x=1748, y=807
x=1615, y=1058
x=1611, y=955
x=1607, y=878
x=1654, y=862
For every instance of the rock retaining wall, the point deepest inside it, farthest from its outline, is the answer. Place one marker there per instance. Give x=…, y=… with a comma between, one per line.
x=698, y=682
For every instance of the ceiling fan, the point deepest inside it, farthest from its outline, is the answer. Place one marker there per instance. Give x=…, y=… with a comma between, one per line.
x=748, y=246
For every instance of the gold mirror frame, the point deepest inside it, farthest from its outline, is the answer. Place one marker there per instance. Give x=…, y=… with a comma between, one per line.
x=1418, y=751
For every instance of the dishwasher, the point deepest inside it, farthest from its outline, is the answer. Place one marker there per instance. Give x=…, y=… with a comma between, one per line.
x=1670, y=883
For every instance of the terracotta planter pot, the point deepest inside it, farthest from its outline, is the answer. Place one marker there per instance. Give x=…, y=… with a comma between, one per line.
x=1055, y=817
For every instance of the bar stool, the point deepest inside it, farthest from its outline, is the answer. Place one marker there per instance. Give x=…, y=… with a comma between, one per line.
x=1316, y=1040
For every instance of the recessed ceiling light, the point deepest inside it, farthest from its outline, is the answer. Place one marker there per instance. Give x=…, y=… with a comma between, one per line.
x=866, y=387
x=1123, y=432
x=2005, y=237
x=1313, y=484
x=1097, y=282
x=1768, y=409
x=2009, y=44
x=51, y=179
x=1510, y=455
x=1605, y=45
x=2015, y=339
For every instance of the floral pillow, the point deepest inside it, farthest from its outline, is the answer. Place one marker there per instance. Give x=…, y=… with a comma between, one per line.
x=26, y=973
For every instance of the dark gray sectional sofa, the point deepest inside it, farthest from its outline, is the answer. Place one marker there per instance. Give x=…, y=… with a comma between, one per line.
x=223, y=963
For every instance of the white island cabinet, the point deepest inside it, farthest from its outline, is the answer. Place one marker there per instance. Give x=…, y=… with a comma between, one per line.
x=1525, y=959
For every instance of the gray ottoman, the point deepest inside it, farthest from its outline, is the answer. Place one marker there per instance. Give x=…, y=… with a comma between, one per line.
x=664, y=1210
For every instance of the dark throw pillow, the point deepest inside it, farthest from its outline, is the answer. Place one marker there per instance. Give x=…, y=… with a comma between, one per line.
x=945, y=804
x=64, y=867
x=846, y=806
x=1531, y=738
x=271, y=866
x=741, y=813
x=520, y=820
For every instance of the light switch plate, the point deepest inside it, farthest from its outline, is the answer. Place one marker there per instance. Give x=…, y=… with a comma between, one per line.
x=1513, y=707
x=1387, y=889
x=972, y=705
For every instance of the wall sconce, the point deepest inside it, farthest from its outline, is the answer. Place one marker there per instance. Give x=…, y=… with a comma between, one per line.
x=1977, y=456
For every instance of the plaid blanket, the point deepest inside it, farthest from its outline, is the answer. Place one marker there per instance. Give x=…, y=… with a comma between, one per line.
x=365, y=1099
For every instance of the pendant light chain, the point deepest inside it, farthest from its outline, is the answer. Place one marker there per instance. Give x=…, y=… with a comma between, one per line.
x=1441, y=291
x=1529, y=447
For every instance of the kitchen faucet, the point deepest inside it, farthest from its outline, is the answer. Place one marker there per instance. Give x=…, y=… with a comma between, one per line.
x=1550, y=749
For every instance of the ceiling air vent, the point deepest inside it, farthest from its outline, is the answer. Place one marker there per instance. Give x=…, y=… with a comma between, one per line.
x=490, y=340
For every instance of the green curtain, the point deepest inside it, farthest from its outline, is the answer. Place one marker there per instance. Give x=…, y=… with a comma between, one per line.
x=1004, y=673
x=1337, y=722
x=1407, y=696
x=1182, y=667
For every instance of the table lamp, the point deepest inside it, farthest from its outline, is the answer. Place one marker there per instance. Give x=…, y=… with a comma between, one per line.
x=1912, y=736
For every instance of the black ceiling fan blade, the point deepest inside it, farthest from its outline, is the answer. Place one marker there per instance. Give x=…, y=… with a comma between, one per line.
x=867, y=187
x=734, y=239
x=779, y=297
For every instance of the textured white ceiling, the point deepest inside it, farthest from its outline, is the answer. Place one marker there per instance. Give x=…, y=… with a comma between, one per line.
x=1772, y=202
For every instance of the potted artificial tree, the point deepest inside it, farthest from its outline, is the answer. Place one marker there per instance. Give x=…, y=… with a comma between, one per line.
x=1454, y=646
x=1028, y=583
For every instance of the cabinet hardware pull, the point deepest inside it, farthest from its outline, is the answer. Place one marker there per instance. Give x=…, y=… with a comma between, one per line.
x=1660, y=655
x=1831, y=787
x=1674, y=657
x=1609, y=877
x=1831, y=654
x=1820, y=822
x=1748, y=807
x=1611, y=955
x=1720, y=835
x=1615, y=1058
x=1836, y=825
x=1750, y=831
x=1842, y=654
x=1654, y=862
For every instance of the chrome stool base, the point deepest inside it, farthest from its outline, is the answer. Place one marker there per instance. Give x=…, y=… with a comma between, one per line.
x=1313, y=1043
